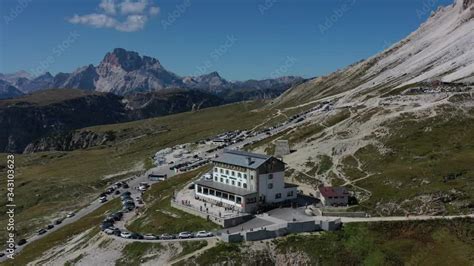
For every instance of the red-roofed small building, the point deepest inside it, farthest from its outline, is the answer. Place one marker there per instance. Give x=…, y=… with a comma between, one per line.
x=333, y=196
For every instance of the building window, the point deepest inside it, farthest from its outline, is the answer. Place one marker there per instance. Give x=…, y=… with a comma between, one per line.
x=245, y=176
x=290, y=194
x=215, y=178
x=278, y=196
x=245, y=185
x=222, y=180
x=233, y=183
x=270, y=186
x=270, y=176
x=233, y=173
x=231, y=197
x=238, y=200
x=226, y=172
x=199, y=189
x=227, y=181
x=218, y=194
x=239, y=174
x=222, y=171
x=239, y=184
x=215, y=169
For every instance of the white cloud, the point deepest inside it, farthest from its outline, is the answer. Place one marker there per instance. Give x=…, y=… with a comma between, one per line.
x=95, y=20
x=154, y=10
x=133, y=7
x=133, y=15
x=108, y=6
x=133, y=23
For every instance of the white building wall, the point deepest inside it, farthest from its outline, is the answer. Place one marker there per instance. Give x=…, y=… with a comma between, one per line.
x=277, y=187
x=242, y=179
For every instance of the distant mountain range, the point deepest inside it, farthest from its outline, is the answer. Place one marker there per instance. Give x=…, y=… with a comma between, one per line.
x=125, y=72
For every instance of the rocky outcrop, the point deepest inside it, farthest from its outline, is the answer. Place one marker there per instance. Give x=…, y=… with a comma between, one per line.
x=22, y=122
x=48, y=120
x=441, y=49
x=144, y=105
x=70, y=140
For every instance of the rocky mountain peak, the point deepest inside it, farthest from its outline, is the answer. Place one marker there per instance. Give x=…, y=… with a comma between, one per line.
x=127, y=60
x=465, y=4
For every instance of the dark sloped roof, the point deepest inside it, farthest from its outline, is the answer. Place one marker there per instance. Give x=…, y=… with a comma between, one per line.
x=242, y=158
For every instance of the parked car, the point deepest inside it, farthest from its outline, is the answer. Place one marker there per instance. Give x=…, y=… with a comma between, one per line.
x=117, y=192
x=41, y=231
x=142, y=188
x=117, y=232
x=21, y=242
x=136, y=236
x=125, y=185
x=117, y=216
x=50, y=226
x=105, y=225
x=102, y=200
x=185, y=235
x=109, y=231
x=150, y=237
x=71, y=214
x=127, y=201
x=2, y=254
x=59, y=221
x=125, y=234
x=203, y=234
x=166, y=237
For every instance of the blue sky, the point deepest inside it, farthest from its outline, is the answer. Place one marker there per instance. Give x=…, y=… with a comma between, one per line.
x=239, y=39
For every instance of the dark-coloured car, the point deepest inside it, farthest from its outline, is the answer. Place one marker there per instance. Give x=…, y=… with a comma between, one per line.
x=117, y=192
x=59, y=221
x=50, y=226
x=21, y=242
x=41, y=231
x=105, y=225
x=117, y=232
x=136, y=236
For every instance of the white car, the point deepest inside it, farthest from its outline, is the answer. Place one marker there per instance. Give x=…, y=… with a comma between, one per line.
x=109, y=231
x=185, y=235
x=150, y=237
x=125, y=234
x=142, y=188
x=71, y=214
x=204, y=234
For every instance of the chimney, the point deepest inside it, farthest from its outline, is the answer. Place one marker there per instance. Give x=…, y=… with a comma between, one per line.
x=249, y=160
